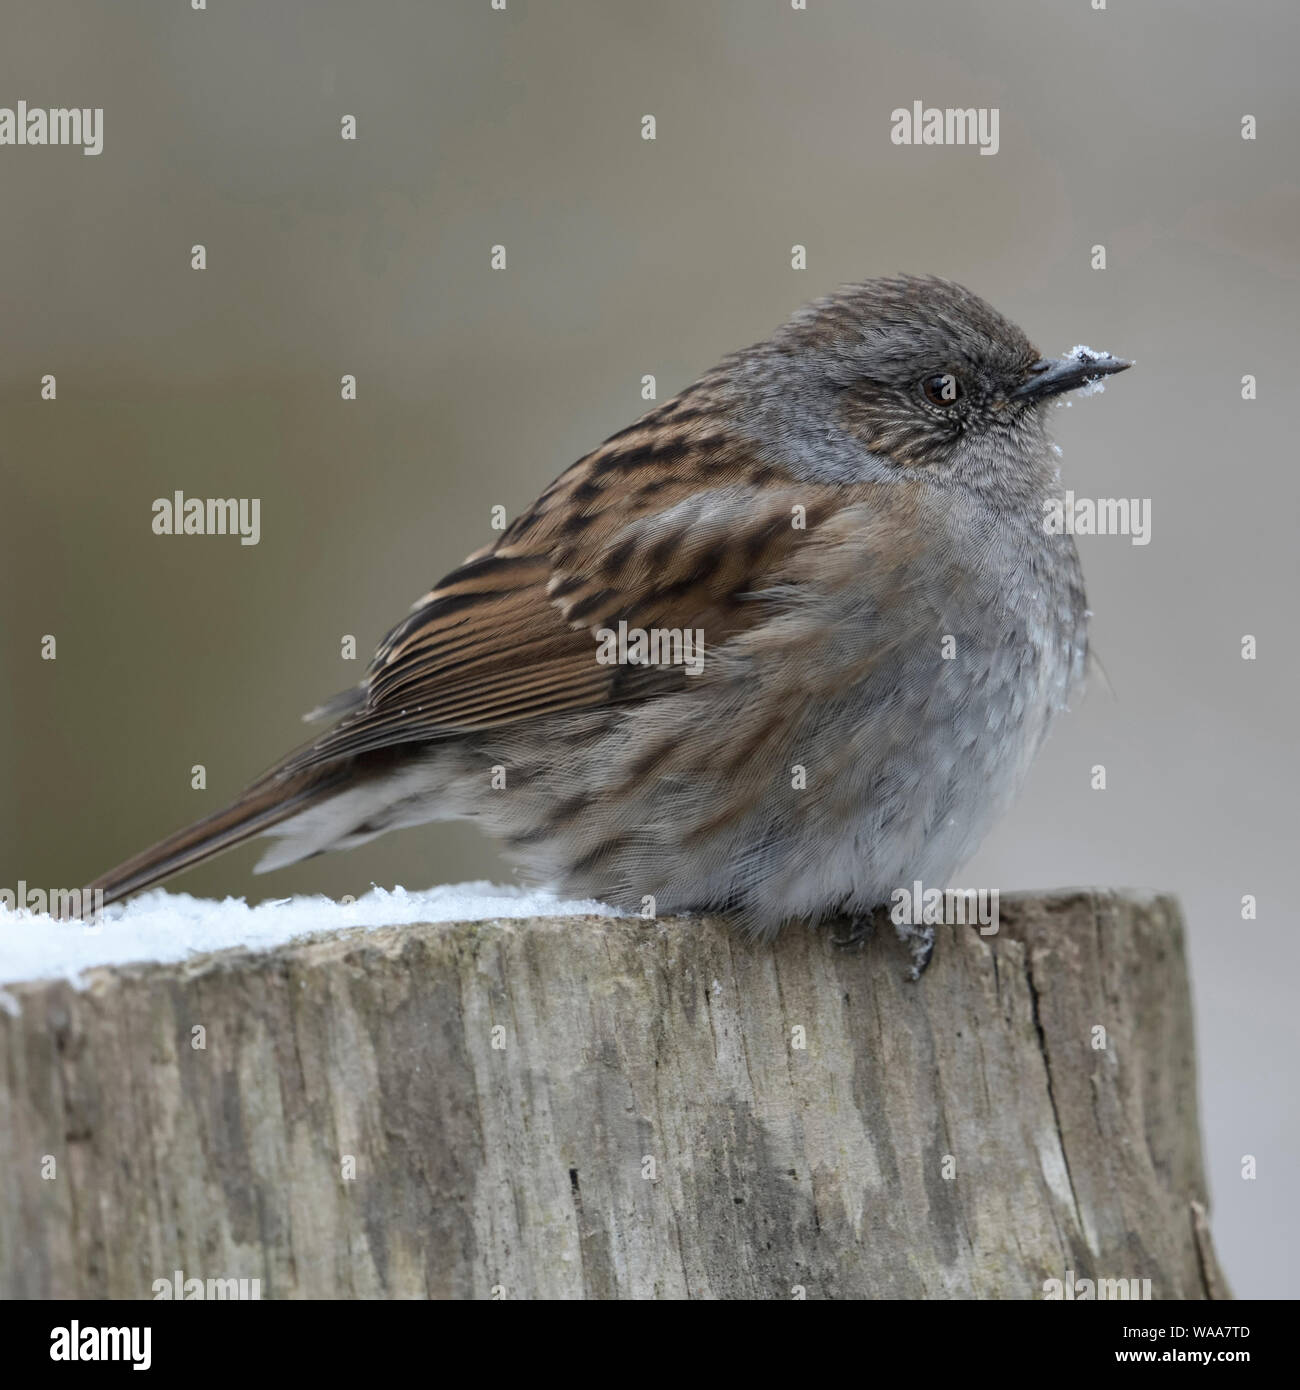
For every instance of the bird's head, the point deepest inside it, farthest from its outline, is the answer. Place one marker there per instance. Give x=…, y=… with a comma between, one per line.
x=920, y=378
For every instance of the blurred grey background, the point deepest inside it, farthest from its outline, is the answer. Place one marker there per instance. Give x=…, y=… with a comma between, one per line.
x=625, y=257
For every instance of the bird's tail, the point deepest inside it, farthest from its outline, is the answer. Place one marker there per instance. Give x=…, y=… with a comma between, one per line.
x=265, y=804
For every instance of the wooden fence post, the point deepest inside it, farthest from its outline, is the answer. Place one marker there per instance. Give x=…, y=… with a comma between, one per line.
x=584, y=1107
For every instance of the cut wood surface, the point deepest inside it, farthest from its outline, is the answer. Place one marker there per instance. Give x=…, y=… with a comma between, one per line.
x=600, y=1108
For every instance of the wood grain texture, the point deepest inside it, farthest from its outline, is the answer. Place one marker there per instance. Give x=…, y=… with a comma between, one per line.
x=517, y=1162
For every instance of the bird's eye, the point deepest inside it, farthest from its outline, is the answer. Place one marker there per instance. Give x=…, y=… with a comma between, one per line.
x=941, y=390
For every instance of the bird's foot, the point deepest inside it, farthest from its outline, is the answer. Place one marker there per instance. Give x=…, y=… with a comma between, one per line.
x=919, y=940
x=861, y=928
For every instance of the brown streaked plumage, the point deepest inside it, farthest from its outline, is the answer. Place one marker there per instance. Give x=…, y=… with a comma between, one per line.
x=824, y=515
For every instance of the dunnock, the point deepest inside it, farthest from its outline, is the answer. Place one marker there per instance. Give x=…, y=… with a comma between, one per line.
x=850, y=516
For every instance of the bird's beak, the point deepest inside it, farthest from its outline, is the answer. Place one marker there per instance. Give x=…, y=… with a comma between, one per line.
x=1051, y=375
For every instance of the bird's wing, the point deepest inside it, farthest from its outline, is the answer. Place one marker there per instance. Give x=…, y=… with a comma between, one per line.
x=511, y=634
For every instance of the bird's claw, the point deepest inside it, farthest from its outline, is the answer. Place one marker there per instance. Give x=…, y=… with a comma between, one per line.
x=919, y=939
x=861, y=929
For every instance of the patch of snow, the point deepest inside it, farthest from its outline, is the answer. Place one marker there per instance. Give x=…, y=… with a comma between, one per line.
x=160, y=927
x=1082, y=353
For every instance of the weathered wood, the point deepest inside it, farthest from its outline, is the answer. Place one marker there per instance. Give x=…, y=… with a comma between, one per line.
x=616, y=1108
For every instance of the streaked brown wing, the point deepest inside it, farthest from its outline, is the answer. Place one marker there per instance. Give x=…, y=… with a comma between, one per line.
x=680, y=534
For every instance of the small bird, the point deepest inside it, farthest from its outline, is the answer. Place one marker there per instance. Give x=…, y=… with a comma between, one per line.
x=843, y=630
